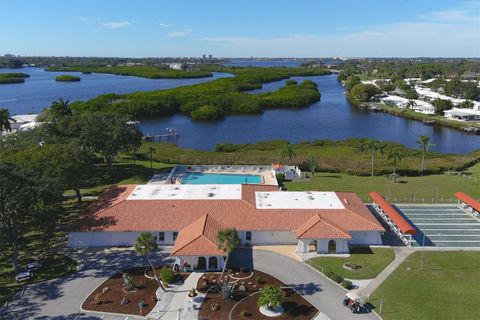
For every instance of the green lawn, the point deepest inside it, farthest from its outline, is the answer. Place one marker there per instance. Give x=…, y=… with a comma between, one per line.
x=448, y=288
x=421, y=188
x=373, y=261
x=474, y=171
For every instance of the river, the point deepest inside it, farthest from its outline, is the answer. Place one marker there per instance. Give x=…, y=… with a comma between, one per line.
x=331, y=118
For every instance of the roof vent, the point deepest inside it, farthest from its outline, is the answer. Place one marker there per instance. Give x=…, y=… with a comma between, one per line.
x=211, y=194
x=346, y=201
x=311, y=197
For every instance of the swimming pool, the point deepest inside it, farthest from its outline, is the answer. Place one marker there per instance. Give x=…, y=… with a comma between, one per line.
x=220, y=178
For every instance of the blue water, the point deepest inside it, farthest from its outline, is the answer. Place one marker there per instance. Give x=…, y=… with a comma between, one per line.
x=41, y=89
x=331, y=118
x=218, y=178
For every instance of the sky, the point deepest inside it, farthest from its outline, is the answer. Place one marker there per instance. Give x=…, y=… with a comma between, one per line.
x=259, y=28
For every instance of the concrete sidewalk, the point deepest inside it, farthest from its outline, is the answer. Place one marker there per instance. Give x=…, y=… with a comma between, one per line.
x=401, y=253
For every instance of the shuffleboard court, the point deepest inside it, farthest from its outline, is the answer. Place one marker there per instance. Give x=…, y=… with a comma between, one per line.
x=442, y=225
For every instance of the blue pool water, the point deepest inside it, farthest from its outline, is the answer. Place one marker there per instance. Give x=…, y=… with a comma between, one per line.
x=218, y=178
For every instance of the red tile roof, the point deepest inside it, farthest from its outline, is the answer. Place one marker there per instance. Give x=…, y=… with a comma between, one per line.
x=174, y=215
x=402, y=224
x=198, y=238
x=468, y=200
x=318, y=227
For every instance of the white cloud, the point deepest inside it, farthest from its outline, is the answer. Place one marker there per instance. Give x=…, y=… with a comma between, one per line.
x=180, y=33
x=396, y=40
x=164, y=25
x=449, y=16
x=83, y=19
x=112, y=25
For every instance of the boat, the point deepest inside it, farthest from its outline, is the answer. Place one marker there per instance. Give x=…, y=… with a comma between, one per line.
x=429, y=122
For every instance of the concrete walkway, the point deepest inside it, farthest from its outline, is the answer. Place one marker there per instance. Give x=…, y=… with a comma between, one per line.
x=180, y=301
x=401, y=253
x=322, y=293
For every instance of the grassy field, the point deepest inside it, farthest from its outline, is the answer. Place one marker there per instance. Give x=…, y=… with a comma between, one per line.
x=373, y=261
x=406, y=190
x=341, y=156
x=447, y=288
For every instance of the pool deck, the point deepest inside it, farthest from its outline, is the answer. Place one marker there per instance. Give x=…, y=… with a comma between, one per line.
x=264, y=171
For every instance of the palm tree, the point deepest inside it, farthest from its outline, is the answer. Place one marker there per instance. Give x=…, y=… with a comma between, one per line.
x=5, y=120
x=288, y=151
x=227, y=241
x=424, y=145
x=60, y=109
x=373, y=146
x=146, y=243
x=312, y=164
x=394, y=156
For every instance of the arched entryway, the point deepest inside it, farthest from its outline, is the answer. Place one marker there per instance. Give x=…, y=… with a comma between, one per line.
x=213, y=263
x=332, y=246
x=312, y=246
x=202, y=263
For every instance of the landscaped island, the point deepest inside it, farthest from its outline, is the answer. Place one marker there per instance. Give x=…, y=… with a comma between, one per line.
x=19, y=77
x=67, y=78
x=214, y=99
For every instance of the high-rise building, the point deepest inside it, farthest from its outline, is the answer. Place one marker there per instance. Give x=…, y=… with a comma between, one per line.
x=210, y=57
x=204, y=56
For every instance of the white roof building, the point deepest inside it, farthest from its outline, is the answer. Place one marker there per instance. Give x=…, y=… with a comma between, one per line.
x=463, y=114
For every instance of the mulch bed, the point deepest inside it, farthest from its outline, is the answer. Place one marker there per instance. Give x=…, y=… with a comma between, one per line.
x=295, y=305
x=110, y=300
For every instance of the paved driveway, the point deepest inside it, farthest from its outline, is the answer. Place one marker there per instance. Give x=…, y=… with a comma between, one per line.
x=60, y=298
x=318, y=290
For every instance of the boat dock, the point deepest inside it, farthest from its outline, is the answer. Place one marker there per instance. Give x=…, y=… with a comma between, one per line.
x=170, y=134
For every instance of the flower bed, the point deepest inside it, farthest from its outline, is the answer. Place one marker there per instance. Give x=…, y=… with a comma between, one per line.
x=244, y=303
x=110, y=300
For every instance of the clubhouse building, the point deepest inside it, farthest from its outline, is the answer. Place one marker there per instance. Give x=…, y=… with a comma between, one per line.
x=188, y=217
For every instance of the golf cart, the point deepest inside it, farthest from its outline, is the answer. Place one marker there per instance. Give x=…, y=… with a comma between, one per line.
x=354, y=302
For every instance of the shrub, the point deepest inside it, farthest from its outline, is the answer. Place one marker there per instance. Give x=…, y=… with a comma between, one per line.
x=291, y=82
x=166, y=274
x=335, y=277
x=280, y=177
x=227, y=291
x=347, y=284
x=98, y=298
x=244, y=314
x=258, y=279
x=271, y=297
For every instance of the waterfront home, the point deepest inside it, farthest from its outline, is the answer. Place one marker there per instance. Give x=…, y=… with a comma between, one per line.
x=187, y=217
x=23, y=122
x=463, y=114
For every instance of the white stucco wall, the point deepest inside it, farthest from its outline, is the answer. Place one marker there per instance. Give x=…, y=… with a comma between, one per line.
x=102, y=239
x=366, y=237
x=322, y=245
x=271, y=237
x=193, y=260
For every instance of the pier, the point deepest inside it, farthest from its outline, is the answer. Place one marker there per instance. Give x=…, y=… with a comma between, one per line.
x=169, y=135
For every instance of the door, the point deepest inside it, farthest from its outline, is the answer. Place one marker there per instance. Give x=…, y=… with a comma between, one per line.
x=213, y=263
x=332, y=246
x=202, y=263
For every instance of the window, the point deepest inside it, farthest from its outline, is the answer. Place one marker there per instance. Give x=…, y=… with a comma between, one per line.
x=248, y=236
x=161, y=237
x=175, y=234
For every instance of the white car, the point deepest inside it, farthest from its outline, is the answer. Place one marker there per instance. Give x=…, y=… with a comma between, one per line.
x=33, y=266
x=22, y=276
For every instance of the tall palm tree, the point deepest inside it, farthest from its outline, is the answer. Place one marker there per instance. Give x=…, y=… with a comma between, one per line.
x=146, y=243
x=394, y=156
x=60, y=108
x=288, y=151
x=227, y=241
x=5, y=120
x=151, y=149
x=424, y=145
x=373, y=147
